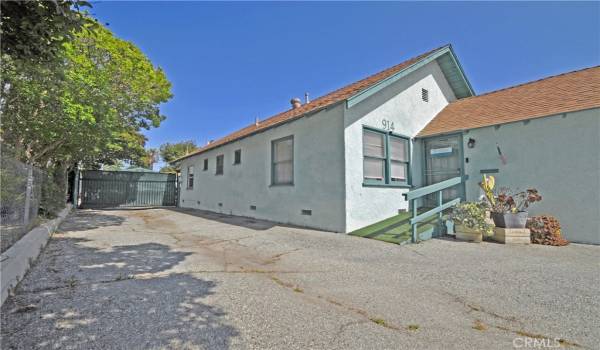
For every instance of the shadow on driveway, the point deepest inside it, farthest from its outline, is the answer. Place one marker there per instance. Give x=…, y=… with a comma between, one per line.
x=121, y=297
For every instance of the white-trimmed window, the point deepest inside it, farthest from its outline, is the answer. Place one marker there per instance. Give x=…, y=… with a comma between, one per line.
x=282, y=161
x=190, y=177
x=385, y=158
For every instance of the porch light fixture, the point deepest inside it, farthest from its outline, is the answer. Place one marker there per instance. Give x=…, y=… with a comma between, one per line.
x=471, y=143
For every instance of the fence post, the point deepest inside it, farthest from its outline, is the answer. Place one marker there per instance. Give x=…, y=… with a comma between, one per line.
x=28, y=191
x=76, y=188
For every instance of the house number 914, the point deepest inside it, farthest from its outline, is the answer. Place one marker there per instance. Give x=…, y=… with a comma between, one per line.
x=387, y=124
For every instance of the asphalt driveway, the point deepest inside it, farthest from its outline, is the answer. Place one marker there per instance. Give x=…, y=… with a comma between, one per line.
x=161, y=278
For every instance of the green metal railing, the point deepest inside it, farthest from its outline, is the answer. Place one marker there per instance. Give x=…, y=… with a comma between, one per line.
x=414, y=195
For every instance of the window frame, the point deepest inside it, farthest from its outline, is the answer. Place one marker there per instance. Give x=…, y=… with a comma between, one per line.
x=273, y=142
x=237, y=157
x=387, y=179
x=205, y=165
x=222, y=157
x=190, y=176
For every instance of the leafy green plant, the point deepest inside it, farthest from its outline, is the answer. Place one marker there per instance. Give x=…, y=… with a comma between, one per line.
x=472, y=215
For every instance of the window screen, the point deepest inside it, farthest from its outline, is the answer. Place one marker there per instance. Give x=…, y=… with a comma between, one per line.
x=237, y=157
x=283, y=161
x=220, y=161
x=398, y=158
x=374, y=155
x=190, y=177
x=385, y=158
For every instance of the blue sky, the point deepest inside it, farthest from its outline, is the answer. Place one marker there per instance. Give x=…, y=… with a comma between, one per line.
x=232, y=62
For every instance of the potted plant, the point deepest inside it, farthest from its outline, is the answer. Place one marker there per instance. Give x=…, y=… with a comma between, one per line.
x=469, y=221
x=510, y=209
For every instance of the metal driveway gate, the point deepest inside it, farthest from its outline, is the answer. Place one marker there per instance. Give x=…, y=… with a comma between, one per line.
x=105, y=189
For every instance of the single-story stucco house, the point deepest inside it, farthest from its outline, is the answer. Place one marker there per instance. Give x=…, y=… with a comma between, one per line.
x=343, y=160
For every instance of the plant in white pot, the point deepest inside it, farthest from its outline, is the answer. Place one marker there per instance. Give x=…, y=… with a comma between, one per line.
x=469, y=221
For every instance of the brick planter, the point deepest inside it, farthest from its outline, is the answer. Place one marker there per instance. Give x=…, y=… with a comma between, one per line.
x=512, y=235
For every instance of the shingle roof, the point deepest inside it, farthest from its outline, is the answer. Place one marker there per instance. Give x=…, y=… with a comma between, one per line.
x=558, y=94
x=314, y=105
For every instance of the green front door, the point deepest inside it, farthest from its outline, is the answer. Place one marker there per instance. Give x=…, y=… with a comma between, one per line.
x=443, y=161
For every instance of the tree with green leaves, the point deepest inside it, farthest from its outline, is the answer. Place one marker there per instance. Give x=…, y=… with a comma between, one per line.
x=88, y=103
x=172, y=151
x=90, y=109
x=36, y=30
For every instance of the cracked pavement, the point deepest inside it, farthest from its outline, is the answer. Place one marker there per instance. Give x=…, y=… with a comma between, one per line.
x=186, y=279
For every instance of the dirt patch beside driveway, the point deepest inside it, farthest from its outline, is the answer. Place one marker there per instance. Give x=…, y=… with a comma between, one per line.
x=160, y=278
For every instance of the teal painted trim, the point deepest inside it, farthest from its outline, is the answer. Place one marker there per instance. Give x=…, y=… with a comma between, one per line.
x=423, y=191
x=463, y=187
x=366, y=93
x=367, y=183
x=414, y=238
x=409, y=166
x=461, y=70
x=372, y=128
x=373, y=182
x=421, y=217
x=388, y=165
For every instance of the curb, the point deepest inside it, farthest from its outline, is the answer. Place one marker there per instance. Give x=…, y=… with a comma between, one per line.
x=16, y=260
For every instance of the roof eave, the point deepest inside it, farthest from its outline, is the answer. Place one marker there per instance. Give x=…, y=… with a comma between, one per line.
x=305, y=114
x=373, y=89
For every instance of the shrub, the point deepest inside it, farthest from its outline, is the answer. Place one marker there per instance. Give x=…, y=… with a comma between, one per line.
x=545, y=230
x=472, y=215
x=53, y=195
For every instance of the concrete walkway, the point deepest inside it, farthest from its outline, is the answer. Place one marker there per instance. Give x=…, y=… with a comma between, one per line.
x=160, y=278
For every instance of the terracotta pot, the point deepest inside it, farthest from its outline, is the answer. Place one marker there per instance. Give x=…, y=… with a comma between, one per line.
x=465, y=233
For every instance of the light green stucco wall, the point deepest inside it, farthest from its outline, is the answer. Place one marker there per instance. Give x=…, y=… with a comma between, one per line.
x=558, y=155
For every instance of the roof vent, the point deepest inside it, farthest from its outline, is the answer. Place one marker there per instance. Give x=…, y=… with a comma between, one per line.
x=256, y=121
x=306, y=99
x=295, y=102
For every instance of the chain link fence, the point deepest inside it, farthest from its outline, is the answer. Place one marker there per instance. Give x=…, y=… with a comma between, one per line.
x=20, y=195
